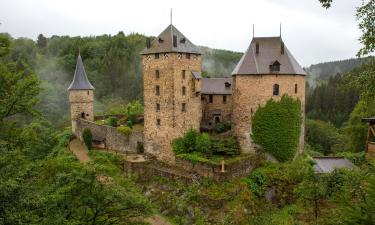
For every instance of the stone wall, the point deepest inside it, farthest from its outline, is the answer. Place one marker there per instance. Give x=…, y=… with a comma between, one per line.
x=81, y=101
x=173, y=121
x=252, y=91
x=371, y=147
x=113, y=139
x=216, y=104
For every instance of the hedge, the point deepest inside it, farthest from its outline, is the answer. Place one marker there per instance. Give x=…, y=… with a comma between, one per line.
x=277, y=126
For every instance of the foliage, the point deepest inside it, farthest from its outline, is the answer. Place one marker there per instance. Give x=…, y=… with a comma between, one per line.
x=276, y=127
x=357, y=158
x=223, y=127
x=4, y=45
x=134, y=109
x=111, y=121
x=356, y=129
x=87, y=138
x=125, y=130
x=203, y=144
x=366, y=17
x=324, y=137
x=256, y=183
x=187, y=143
x=225, y=146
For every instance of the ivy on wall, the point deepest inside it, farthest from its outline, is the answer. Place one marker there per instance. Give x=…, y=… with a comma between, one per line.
x=277, y=126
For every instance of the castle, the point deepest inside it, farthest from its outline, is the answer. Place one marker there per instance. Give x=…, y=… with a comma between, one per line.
x=177, y=97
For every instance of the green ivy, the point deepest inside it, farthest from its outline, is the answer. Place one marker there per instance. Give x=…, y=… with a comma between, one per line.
x=277, y=126
x=87, y=137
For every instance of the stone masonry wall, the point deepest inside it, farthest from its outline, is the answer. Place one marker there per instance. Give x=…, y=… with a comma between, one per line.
x=217, y=104
x=82, y=101
x=113, y=139
x=252, y=91
x=173, y=122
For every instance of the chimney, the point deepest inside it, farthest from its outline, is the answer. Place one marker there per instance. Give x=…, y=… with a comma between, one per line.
x=148, y=43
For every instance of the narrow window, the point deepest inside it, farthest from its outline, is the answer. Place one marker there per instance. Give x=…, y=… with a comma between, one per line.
x=188, y=55
x=257, y=48
x=183, y=109
x=175, y=41
x=88, y=92
x=157, y=73
x=157, y=107
x=275, y=89
x=183, y=90
x=210, y=98
x=183, y=74
x=224, y=99
x=156, y=55
x=158, y=122
x=157, y=90
x=295, y=88
x=282, y=48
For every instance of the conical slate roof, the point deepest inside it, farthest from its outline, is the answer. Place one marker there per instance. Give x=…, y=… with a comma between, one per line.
x=80, y=81
x=164, y=43
x=270, y=51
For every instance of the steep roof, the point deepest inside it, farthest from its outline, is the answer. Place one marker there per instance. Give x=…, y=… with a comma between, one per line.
x=164, y=43
x=270, y=51
x=216, y=86
x=328, y=164
x=80, y=81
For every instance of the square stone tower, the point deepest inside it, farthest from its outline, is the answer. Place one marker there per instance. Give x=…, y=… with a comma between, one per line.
x=266, y=70
x=81, y=95
x=172, y=84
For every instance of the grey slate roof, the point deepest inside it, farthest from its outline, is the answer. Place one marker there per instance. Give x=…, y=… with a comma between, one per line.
x=252, y=63
x=166, y=45
x=329, y=164
x=80, y=81
x=197, y=74
x=216, y=86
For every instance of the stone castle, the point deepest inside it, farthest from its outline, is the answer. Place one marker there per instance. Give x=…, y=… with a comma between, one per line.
x=177, y=97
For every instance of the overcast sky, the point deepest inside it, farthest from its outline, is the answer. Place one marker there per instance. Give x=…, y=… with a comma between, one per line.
x=312, y=33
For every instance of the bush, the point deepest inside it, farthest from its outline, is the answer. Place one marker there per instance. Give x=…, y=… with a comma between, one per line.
x=223, y=127
x=112, y=121
x=256, y=182
x=134, y=109
x=129, y=123
x=87, y=137
x=203, y=144
x=323, y=136
x=277, y=126
x=125, y=130
x=226, y=146
x=187, y=143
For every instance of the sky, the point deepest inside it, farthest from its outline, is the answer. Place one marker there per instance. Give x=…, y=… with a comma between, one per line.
x=313, y=34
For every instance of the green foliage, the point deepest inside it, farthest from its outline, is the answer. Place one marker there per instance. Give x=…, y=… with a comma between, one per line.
x=111, y=121
x=4, y=45
x=324, y=137
x=223, y=127
x=125, y=130
x=134, y=109
x=356, y=129
x=203, y=144
x=129, y=123
x=276, y=127
x=256, y=183
x=87, y=138
x=357, y=158
x=225, y=146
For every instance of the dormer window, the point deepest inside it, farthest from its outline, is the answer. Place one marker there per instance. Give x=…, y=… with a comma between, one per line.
x=175, y=41
x=182, y=40
x=160, y=40
x=227, y=84
x=275, y=67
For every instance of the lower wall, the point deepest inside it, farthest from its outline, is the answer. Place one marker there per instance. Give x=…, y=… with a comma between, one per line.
x=371, y=147
x=113, y=139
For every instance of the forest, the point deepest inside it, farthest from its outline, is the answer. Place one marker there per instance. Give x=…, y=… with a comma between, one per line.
x=41, y=181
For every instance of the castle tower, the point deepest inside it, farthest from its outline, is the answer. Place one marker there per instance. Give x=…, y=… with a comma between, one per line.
x=172, y=83
x=266, y=70
x=81, y=95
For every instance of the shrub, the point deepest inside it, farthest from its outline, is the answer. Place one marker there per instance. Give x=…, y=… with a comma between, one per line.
x=134, y=109
x=203, y=144
x=87, y=137
x=129, y=123
x=323, y=136
x=125, y=130
x=276, y=127
x=112, y=121
x=223, y=127
x=227, y=146
x=256, y=182
x=178, y=145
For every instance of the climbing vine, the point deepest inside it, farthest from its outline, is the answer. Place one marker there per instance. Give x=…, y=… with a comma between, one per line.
x=277, y=126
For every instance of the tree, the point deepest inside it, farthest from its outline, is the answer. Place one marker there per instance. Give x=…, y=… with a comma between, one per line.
x=42, y=41
x=4, y=45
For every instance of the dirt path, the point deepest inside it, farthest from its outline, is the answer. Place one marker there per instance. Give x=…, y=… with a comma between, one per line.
x=79, y=149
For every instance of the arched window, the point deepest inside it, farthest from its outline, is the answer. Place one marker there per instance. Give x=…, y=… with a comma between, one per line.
x=295, y=88
x=276, y=88
x=83, y=115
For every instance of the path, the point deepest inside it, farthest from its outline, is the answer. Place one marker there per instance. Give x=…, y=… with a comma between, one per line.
x=80, y=150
